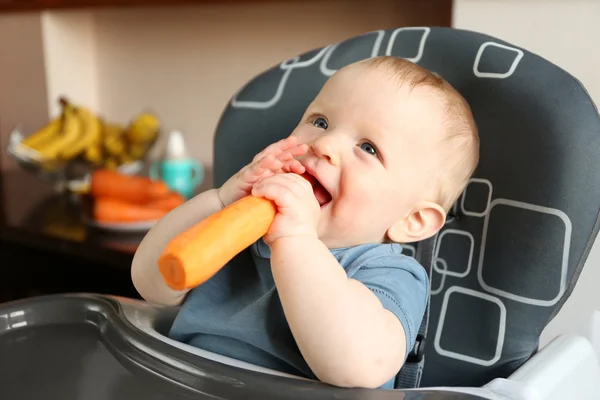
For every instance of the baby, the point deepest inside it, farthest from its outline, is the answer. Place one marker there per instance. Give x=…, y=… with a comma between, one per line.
x=327, y=293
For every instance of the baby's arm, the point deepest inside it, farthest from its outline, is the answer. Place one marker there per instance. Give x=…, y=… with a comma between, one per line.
x=145, y=274
x=342, y=329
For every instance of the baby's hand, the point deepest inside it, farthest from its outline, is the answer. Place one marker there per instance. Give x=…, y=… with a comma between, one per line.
x=298, y=209
x=277, y=158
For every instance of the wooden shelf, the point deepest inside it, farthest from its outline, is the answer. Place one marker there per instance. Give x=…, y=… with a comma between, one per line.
x=37, y=5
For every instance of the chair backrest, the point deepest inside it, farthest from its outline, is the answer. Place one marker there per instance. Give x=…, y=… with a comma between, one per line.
x=504, y=266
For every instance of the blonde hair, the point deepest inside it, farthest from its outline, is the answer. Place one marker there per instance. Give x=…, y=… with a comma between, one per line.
x=460, y=139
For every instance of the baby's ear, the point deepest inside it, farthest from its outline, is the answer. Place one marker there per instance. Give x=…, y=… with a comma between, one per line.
x=427, y=219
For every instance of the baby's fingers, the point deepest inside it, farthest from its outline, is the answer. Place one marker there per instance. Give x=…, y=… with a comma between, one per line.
x=276, y=191
x=257, y=170
x=297, y=151
x=277, y=148
x=294, y=166
x=282, y=188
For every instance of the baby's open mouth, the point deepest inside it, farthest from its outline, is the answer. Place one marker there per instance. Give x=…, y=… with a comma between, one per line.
x=321, y=194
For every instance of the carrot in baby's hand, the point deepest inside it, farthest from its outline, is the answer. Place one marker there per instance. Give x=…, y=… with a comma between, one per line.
x=130, y=188
x=108, y=209
x=195, y=255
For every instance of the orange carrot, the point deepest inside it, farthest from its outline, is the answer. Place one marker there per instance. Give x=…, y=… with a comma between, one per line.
x=131, y=188
x=195, y=255
x=167, y=202
x=107, y=209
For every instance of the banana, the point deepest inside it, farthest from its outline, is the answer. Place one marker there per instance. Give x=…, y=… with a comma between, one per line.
x=111, y=163
x=94, y=154
x=38, y=138
x=112, y=139
x=112, y=129
x=126, y=158
x=114, y=145
x=143, y=128
x=90, y=130
x=67, y=136
x=137, y=151
x=78, y=132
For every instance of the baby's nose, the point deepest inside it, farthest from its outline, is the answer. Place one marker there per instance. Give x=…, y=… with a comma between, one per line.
x=325, y=148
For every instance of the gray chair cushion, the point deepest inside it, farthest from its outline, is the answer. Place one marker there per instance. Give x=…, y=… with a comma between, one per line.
x=506, y=263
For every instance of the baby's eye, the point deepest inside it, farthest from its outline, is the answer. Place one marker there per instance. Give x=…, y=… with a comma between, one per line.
x=369, y=148
x=320, y=122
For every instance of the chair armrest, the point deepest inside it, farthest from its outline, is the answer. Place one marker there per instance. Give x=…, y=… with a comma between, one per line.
x=155, y=320
x=567, y=368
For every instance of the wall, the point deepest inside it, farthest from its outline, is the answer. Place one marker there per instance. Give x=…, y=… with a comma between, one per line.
x=71, y=58
x=22, y=75
x=182, y=62
x=566, y=33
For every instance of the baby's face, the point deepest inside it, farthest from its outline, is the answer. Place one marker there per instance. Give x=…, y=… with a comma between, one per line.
x=371, y=147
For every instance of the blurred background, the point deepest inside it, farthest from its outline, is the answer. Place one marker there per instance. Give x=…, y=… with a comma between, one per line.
x=181, y=61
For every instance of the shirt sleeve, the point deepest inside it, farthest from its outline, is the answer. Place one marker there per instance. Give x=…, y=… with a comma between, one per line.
x=400, y=283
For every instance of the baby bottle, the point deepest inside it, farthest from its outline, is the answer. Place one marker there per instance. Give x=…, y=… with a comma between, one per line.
x=176, y=168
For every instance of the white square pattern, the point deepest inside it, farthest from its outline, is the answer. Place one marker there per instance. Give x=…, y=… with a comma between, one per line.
x=496, y=352
x=455, y=232
x=562, y=217
x=420, y=49
x=287, y=66
x=378, y=38
x=496, y=75
x=472, y=182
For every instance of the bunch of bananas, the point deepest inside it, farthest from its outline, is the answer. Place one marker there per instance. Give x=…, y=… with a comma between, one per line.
x=78, y=133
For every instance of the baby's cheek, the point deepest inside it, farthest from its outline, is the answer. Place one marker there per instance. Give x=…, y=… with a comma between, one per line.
x=359, y=211
x=359, y=203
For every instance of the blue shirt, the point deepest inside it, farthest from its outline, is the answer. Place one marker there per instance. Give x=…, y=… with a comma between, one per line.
x=238, y=313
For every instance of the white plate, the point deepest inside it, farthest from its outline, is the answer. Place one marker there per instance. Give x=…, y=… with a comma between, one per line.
x=141, y=226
